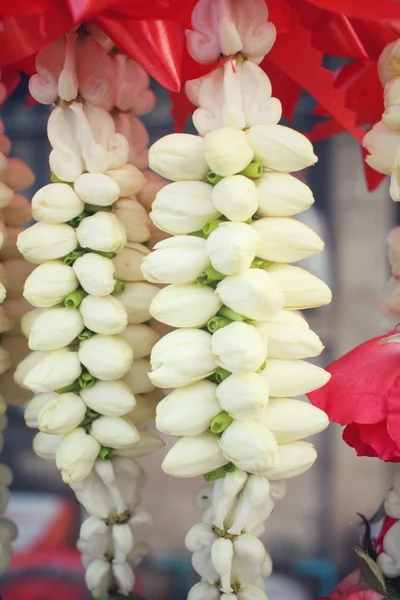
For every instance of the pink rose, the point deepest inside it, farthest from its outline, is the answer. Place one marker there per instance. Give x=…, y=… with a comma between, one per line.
x=351, y=589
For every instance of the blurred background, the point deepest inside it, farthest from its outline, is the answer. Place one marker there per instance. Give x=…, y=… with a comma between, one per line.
x=312, y=528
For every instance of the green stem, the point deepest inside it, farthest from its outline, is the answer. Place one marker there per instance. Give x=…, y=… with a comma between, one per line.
x=90, y=416
x=73, y=387
x=210, y=226
x=220, y=473
x=119, y=287
x=216, y=323
x=221, y=374
x=261, y=369
x=209, y=276
x=106, y=453
x=76, y=220
x=73, y=256
x=92, y=208
x=253, y=170
x=221, y=422
x=106, y=254
x=198, y=234
x=56, y=179
x=213, y=178
x=259, y=263
x=86, y=381
x=228, y=313
x=73, y=300
x=86, y=334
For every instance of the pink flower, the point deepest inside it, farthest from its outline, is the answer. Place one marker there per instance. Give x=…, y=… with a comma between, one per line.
x=351, y=588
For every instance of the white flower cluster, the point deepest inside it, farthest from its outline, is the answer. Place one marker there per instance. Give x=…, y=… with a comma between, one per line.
x=14, y=212
x=237, y=357
x=383, y=140
x=88, y=333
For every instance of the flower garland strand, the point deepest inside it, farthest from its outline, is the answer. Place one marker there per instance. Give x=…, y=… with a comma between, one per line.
x=14, y=212
x=238, y=354
x=382, y=142
x=87, y=333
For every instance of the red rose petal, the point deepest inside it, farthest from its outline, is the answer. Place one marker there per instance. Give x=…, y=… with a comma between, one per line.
x=362, y=383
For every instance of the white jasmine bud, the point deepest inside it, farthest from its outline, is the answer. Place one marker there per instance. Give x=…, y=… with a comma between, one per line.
x=103, y=232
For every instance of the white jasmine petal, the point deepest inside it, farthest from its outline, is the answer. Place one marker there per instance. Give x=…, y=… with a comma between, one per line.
x=285, y=240
x=103, y=232
x=193, y=456
x=232, y=247
x=293, y=377
x=103, y=314
x=46, y=241
x=95, y=274
x=282, y=195
x=250, y=446
x=179, y=157
x=62, y=414
x=56, y=203
x=188, y=410
x=236, y=197
x=293, y=459
x=110, y=398
x=106, y=357
x=49, y=284
x=171, y=211
x=239, y=348
x=55, y=328
x=227, y=151
x=114, y=432
x=281, y=148
x=182, y=357
x=97, y=189
x=185, y=305
x=253, y=293
x=55, y=369
x=300, y=288
x=76, y=455
x=180, y=259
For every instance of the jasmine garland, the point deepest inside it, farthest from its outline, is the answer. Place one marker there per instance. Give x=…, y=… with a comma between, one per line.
x=237, y=355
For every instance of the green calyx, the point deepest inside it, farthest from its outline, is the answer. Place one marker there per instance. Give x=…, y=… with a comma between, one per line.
x=106, y=453
x=221, y=422
x=220, y=375
x=216, y=323
x=55, y=179
x=91, y=415
x=254, y=170
x=86, y=334
x=76, y=220
x=86, y=381
x=210, y=276
x=119, y=287
x=92, y=208
x=210, y=226
x=220, y=473
x=259, y=263
x=73, y=387
x=72, y=257
x=74, y=299
x=228, y=313
x=106, y=254
x=213, y=178
x=261, y=369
